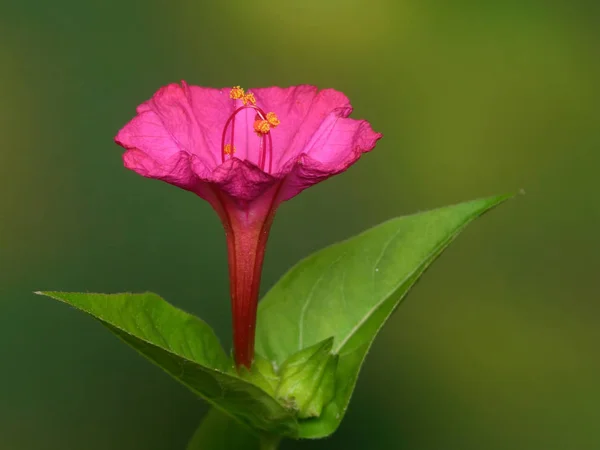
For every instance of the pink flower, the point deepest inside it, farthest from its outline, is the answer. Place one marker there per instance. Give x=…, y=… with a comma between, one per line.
x=244, y=153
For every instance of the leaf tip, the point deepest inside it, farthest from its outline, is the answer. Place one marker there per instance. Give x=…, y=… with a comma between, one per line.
x=493, y=202
x=327, y=344
x=52, y=294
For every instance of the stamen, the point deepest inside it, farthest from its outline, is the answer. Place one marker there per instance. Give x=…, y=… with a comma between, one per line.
x=249, y=99
x=236, y=93
x=272, y=119
x=262, y=126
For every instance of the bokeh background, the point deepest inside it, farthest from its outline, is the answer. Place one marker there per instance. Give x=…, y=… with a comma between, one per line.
x=497, y=347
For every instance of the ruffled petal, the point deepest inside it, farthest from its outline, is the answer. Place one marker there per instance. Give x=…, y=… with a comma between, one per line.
x=148, y=133
x=241, y=180
x=301, y=110
x=174, y=169
x=177, y=120
x=337, y=145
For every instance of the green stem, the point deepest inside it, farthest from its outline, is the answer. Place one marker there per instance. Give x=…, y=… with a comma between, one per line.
x=269, y=442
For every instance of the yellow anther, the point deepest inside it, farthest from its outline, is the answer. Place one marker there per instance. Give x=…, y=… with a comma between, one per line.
x=261, y=126
x=236, y=93
x=229, y=149
x=249, y=98
x=272, y=119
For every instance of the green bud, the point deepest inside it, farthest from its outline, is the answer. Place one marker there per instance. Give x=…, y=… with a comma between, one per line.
x=308, y=380
x=261, y=374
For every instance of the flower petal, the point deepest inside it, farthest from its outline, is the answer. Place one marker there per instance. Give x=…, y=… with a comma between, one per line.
x=179, y=119
x=337, y=145
x=174, y=169
x=301, y=110
x=242, y=180
x=211, y=108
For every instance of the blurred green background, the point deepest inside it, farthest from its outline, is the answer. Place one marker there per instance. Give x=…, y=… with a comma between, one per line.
x=497, y=348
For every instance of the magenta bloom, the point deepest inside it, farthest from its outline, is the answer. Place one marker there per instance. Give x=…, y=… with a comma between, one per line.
x=244, y=153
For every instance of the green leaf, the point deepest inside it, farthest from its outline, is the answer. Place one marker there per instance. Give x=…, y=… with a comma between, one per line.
x=350, y=289
x=308, y=379
x=219, y=431
x=186, y=348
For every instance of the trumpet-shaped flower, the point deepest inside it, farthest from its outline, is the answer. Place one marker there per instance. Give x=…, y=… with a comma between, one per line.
x=244, y=153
